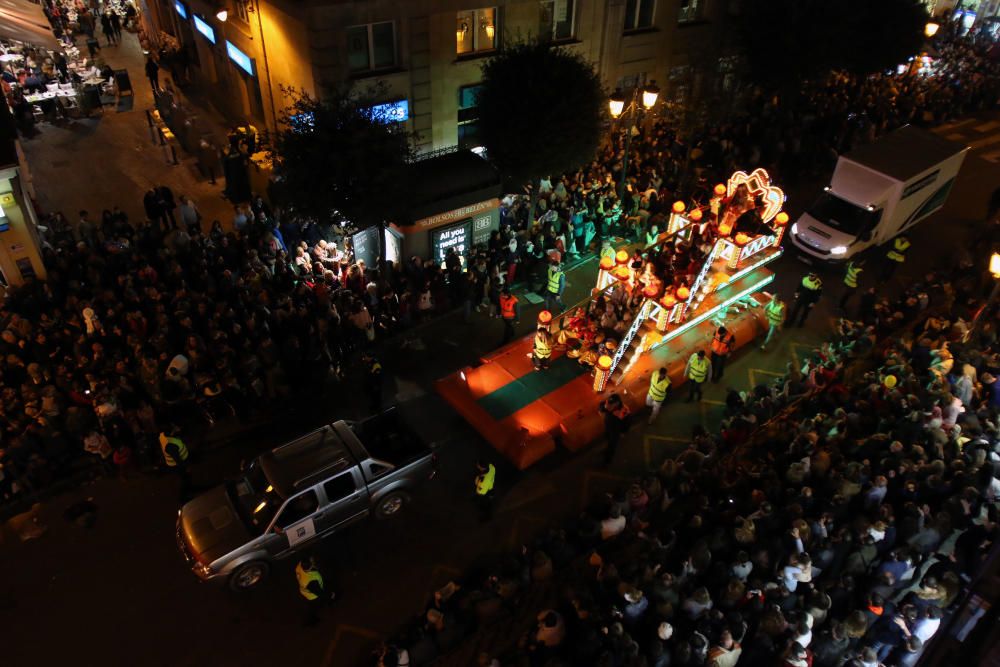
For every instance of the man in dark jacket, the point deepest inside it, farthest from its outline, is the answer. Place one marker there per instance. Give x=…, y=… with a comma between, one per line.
x=615, y=424
x=165, y=199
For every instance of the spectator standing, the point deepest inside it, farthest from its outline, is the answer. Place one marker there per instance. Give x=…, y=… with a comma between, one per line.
x=616, y=415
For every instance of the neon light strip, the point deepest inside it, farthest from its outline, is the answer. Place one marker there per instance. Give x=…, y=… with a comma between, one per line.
x=742, y=272
x=707, y=314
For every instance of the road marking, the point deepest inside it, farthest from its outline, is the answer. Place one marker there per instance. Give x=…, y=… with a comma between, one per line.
x=646, y=448
x=342, y=630
x=986, y=127
x=516, y=528
x=952, y=125
x=587, y=475
x=992, y=156
x=752, y=372
x=979, y=143
x=957, y=136
x=795, y=355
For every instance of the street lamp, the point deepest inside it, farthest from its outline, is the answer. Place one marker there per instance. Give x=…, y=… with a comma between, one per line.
x=931, y=28
x=995, y=270
x=618, y=108
x=222, y=14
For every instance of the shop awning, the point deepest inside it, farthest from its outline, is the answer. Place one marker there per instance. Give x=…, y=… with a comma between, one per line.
x=25, y=21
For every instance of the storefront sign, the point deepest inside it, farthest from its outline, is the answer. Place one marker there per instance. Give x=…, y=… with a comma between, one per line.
x=481, y=228
x=365, y=245
x=451, y=216
x=205, y=29
x=242, y=60
x=456, y=238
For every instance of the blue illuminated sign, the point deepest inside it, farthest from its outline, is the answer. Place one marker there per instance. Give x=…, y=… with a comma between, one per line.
x=241, y=59
x=205, y=29
x=182, y=11
x=392, y=112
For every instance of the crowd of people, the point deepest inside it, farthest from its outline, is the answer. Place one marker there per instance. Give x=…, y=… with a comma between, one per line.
x=793, y=138
x=150, y=328
x=834, y=519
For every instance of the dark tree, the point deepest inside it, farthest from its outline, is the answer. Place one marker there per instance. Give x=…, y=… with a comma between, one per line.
x=337, y=161
x=540, y=112
x=786, y=41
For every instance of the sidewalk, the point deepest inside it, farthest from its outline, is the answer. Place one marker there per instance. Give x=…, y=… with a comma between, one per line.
x=110, y=159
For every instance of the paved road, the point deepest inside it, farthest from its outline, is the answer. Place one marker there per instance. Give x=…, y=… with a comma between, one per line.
x=119, y=591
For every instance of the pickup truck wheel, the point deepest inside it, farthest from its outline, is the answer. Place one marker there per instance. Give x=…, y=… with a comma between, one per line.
x=248, y=575
x=391, y=505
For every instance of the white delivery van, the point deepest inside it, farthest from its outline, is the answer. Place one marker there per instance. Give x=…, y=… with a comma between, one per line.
x=877, y=192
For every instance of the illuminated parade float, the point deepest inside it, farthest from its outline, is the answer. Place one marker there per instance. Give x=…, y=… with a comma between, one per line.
x=707, y=268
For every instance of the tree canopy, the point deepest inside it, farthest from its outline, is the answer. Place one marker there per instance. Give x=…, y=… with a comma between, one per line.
x=338, y=160
x=786, y=41
x=540, y=111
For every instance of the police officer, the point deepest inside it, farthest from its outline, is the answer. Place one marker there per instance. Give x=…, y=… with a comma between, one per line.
x=542, y=351
x=555, y=285
x=722, y=344
x=175, y=456
x=896, y=256
x=806, y=296
x=616, y=415
x=775, y=310
x=659, y=388
x=850, y=282
x=311, y=588
x=486, y=476
x=510, y=313
x=698, y=369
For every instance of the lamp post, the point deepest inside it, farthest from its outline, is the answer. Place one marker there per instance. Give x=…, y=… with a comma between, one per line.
x=618, y=108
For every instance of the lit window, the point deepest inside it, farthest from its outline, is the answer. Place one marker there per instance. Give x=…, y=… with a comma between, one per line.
x=690, y=10
x=556, y=20
x=371, y=47
x=476, y=30
x=639, y=14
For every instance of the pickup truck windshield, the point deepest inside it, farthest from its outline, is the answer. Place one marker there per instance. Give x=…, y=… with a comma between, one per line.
x=843, y=215
x=256, y=499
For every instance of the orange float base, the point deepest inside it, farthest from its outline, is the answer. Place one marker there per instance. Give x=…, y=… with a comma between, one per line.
x=567, y=413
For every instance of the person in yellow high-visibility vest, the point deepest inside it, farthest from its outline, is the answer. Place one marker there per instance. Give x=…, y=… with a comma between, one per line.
x=542, y=350
x=175, y=456
x=775, y=311
x=896, y=256
x=311, y=588
x=851, y=273
x=659, y=388
x=486, y=477
x=699, y=368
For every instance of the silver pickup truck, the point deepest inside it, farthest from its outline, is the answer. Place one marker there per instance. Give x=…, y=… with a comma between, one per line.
x=299, y=493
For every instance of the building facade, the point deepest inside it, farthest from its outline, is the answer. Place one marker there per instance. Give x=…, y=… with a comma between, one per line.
x=424, y=56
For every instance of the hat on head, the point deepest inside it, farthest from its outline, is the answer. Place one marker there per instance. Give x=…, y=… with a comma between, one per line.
x=665, y=631
x=889, y=381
